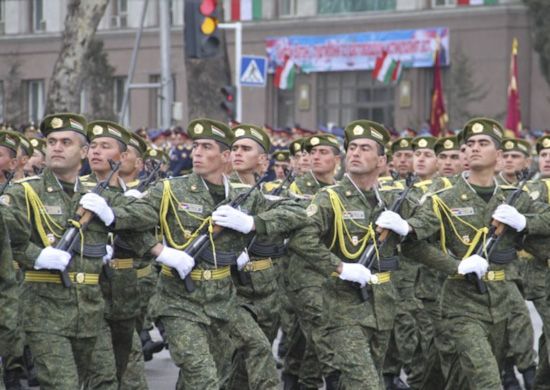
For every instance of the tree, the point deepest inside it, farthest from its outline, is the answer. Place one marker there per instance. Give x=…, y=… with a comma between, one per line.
x=540, y=12
x=13, y=90
x=462, y=90
x=81, y=23
x=97, y=81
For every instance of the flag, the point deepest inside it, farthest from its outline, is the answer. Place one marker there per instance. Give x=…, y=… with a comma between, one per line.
x=438, y=116
x=246, y=10
x=285, y=74
x=477, y=2
x=513, y=117
x=386, y=69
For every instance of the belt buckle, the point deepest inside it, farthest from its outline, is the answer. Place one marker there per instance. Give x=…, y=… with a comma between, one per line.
x=249, y=267
x=207, y=274
x=374, y=279
x=491, y=275
x=79, y=277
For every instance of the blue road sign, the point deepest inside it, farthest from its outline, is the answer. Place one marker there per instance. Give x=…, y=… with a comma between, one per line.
x=253, y=71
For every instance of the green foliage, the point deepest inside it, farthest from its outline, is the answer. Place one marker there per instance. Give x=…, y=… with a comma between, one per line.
x=540, y=12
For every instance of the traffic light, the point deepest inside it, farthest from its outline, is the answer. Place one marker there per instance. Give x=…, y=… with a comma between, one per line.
x=229, y=104
x=202, y=38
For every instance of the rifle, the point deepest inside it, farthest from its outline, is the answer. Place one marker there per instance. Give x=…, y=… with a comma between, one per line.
x=202, y=241
x=151, y=177
x=496, y=230
x=83, y=216
x=9, y=176
x=289, y=177
x=369, y=254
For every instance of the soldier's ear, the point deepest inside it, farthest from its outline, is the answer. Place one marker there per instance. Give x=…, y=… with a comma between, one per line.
x=226, y=156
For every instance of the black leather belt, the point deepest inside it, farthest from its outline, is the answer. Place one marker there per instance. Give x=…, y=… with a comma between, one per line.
x=386, y=264
x=222, y=258
x=264, y=249
x=90, y=250
x=504, y=256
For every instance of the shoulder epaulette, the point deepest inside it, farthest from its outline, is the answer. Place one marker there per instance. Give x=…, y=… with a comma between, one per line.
x=133, y=183
x=439, y=191
x=423, y=183
x=508, y=187
x=25, y=179
x=239, y=185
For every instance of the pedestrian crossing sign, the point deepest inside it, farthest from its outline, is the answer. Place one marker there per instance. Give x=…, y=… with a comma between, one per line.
x=253, y=71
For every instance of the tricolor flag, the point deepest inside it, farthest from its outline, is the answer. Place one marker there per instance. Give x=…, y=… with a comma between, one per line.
x=438, y=116
x=513, y=117
x=246, y=9
x=477, y=2
x=387, y=69
x=285, y=74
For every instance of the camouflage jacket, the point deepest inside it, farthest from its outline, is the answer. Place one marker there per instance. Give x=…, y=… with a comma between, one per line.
x=9, y=291
x=305, y=185
x=467, y=211
x=74, y=311
x=319, y=253
x=193, y=203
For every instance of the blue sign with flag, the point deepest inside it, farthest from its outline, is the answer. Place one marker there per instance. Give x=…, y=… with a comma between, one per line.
x=253, y=71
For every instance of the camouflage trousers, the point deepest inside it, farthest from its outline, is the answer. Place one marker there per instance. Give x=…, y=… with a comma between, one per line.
x=193, y=345
x=542, y=381
x=134, y=375
x=61, y=362
x=521, y=337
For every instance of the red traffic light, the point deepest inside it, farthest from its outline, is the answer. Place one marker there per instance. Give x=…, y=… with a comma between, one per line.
x=207, y=7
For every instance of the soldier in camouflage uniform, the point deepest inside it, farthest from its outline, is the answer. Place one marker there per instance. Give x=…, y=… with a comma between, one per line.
x=476, y=323
x=185, y=205
x=537, y=273
x=62, y=323
x=37, y=161
x=402, y=156
x=356, y=333
x=516, y=155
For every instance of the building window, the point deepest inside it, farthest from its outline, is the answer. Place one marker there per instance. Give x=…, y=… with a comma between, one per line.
x=38, y=21
x=35, y=93
x=341, y=6
x=343, y=97
x=2, y=16
x=285, y=108
x=443, y=3
x=287, y=7
x=119, y=16
x=119, y=85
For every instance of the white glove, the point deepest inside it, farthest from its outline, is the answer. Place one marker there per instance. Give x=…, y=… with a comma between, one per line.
x=355, y=272
x=393, y=221
x=510, y=216
x=474, y=263
x=135, y=193
x=231, y=218
x=52, y=258
x=242, y=260
x=179, y=260
x=109, y=254
x=99, y=207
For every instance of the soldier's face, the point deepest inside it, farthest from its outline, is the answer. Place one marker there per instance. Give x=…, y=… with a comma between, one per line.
x=464, y=157
x=481, y=152
x=324, y=160
x=362, y=157
x=279, y=169
x=305, y=162
x=36, y=160
x=132, y=163
x=7, y=163
x=448, y=163
x=64, y=151
x=208, y=157
x=103, y=149
x=403, y=162
x=544, y=162
x=295, y=164
x=247, y=155
x=513, y=162
x=424, y=163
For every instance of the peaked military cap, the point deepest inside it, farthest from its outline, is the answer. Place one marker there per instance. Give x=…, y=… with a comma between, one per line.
x=424, y=142
x=516, y=145
x=63, y=122
x=9, y=140
x=137, y=142
x=404, y=143
x=543, y=143
x=97, y=129
x=157, y=154
x=252, y=132
x=446, y=143
x=24, y=143
x=39, y=144
x=281, y=156
x=321, y=139
x=364, y=128
x=204, y=128
x=486, y=126
x=296, y=146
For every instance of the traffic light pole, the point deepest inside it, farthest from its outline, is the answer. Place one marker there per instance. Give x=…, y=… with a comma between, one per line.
x=238, y=27
x=166, y=74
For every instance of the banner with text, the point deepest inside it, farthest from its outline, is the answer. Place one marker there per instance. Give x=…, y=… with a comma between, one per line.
x=358, y=51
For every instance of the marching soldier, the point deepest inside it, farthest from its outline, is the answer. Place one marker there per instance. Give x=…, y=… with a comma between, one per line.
x=62, y=321
x=37, y=161
x=402, y=156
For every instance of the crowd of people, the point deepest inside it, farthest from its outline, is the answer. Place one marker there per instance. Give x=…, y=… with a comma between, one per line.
x=383, y=261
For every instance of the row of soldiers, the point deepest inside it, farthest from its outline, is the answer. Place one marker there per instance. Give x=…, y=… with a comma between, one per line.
x=367, y=277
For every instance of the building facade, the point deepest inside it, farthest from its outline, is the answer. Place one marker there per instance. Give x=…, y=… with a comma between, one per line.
x=475, y=79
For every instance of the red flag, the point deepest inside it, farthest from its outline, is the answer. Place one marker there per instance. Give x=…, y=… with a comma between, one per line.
x=513, y=118
x=438, y=117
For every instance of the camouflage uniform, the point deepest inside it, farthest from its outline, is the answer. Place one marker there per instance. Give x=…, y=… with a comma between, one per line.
x=476, y=323
x=356, y=333
x=61, y=323
x=190, y=318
